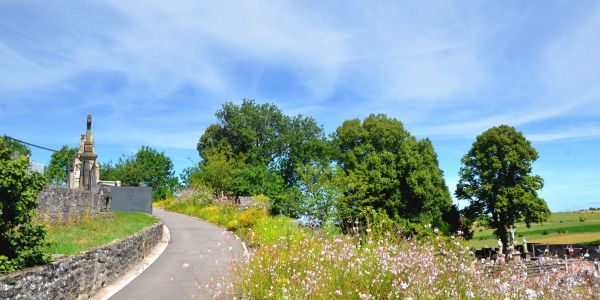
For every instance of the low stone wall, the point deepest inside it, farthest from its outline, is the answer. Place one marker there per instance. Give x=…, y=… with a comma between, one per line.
x=81, y=276
x=61, y=205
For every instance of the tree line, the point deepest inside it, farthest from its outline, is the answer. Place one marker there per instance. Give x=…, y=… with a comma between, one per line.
x=366, y=167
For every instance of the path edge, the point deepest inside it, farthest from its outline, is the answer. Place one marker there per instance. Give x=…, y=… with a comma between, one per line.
x=136, y=270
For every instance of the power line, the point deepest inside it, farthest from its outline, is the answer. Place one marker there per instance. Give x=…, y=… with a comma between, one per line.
x=30, y=144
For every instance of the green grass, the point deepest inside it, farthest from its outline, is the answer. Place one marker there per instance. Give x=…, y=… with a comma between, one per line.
x=73, y=238
x=561, y=228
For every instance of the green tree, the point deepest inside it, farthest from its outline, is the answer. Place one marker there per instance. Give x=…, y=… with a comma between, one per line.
x=388, y=169
x=496, y=179
x=255, y=148
x=216, y=170
x=190, y=176
x=319, y=190
x=148, y=166
x=21, y=241
x=56, y=173
x=251, y=129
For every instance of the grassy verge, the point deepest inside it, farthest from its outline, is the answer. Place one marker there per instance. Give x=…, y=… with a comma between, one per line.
x=71, y=239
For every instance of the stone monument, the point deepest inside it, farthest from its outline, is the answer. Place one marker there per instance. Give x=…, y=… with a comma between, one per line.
x=84, y=173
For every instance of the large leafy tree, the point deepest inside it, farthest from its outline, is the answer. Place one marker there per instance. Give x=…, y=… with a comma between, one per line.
x=388, y=169
x=496, y=179
x=21, y=241
x=56, y=173
x=255, y=148
x=148, y=166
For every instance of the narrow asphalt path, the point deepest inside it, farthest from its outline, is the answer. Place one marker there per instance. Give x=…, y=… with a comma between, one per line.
x=198, y=252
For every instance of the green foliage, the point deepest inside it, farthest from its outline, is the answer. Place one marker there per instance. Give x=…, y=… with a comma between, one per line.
x=256, y=149
x=57, y=170
x=21, y=241
x=217, y=168
x=319, y=189
x=148, y=166
x=190, y=177
x=387, y=168
x=18, y=149
x=249, y=217
x=496, y=179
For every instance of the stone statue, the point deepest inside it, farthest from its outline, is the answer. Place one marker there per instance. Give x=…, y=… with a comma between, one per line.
x=84, y=172
x=512, y=235
x=500, y=246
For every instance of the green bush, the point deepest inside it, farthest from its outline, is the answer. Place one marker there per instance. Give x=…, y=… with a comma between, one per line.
x=249, y=217
x=21, y=241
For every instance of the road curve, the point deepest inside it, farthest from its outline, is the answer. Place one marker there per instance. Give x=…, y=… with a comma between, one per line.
x=198, y=252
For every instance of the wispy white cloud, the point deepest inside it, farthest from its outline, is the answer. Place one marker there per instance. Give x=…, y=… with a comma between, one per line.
x=566, y=133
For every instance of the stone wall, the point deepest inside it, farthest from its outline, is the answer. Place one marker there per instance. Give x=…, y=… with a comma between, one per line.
x=82, y=275
x=61, y=205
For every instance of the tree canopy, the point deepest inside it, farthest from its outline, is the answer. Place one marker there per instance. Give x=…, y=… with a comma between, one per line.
x=148, y=166
x=496, y=179
x=388, y=169
x=256, y=149
x=56, y=173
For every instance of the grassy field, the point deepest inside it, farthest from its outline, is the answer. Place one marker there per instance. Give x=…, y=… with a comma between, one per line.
x=71, y=239
x=561, y=228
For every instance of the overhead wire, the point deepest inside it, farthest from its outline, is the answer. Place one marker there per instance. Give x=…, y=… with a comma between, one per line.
x=30, y=144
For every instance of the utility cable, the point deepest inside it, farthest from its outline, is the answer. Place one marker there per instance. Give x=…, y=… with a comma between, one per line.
x=30, y=144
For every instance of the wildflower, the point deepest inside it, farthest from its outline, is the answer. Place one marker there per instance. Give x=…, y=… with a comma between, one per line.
x=185, y=265
x=530, y=294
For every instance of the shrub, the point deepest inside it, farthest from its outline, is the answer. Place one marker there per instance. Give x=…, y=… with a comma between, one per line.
x=21, y=241
x=581, y=219
x=232, y=225
x=249, y=217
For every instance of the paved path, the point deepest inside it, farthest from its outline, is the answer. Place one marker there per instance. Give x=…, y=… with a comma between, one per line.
x=198, y=251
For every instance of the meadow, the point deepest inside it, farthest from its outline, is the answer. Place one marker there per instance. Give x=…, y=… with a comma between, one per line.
x=582, y=227
x=288, y=261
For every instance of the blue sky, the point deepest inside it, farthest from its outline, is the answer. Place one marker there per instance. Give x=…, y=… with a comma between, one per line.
x=154, y=72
